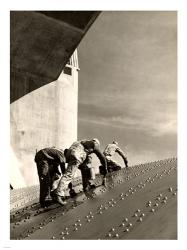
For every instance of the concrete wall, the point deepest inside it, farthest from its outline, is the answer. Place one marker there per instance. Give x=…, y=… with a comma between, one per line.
x=42, y=118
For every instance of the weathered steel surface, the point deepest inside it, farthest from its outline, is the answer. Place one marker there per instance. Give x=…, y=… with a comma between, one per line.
x=139, y=203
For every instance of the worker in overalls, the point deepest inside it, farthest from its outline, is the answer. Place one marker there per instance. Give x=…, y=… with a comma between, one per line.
x=75, y=156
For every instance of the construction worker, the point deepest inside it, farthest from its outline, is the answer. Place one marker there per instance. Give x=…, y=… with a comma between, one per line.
x=109, y=151
x=75, y=156
x=48, y=161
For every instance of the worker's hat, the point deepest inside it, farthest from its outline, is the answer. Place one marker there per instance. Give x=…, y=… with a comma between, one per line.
x=115, y=142
x=96, y=140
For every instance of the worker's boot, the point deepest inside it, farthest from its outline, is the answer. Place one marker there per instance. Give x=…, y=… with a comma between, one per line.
x=60, y=200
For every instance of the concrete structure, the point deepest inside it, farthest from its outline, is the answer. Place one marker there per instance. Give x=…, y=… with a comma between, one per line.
x=45, y=117
x=43, y=93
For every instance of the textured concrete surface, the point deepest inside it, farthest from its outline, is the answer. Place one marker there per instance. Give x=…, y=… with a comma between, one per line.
x=139, y=203
x=45, y=117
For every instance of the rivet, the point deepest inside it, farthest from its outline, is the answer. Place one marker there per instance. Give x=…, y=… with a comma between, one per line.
x=140, y=219
x=109, y=235
x=116, y=235
x=130, y=224
x=113, y=229
x=174, y=193
x=135, y=215
x=127, y=230
x=153, y=210
x=126, y=219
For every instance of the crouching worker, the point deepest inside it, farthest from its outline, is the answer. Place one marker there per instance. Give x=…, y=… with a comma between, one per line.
x=109, y=152
x=75, y=156
x=47, y=161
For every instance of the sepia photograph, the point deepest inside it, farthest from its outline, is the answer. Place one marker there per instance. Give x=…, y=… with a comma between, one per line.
x=93, y=125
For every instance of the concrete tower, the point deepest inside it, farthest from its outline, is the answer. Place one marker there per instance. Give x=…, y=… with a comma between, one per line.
x=44, y=117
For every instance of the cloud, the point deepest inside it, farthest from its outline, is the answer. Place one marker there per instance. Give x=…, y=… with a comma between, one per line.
x=127, y=89
x=150, y=120
x=139, y=145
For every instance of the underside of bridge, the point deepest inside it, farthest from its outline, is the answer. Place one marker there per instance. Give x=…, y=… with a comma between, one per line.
x=41, y=42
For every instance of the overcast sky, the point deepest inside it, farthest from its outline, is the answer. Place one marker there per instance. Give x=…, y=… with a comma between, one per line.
x=128, y=85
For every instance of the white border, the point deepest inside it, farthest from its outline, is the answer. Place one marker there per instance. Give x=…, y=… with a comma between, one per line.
x=4, y=111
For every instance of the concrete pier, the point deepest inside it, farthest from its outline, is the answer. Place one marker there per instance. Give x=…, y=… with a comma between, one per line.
x=44, y=117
